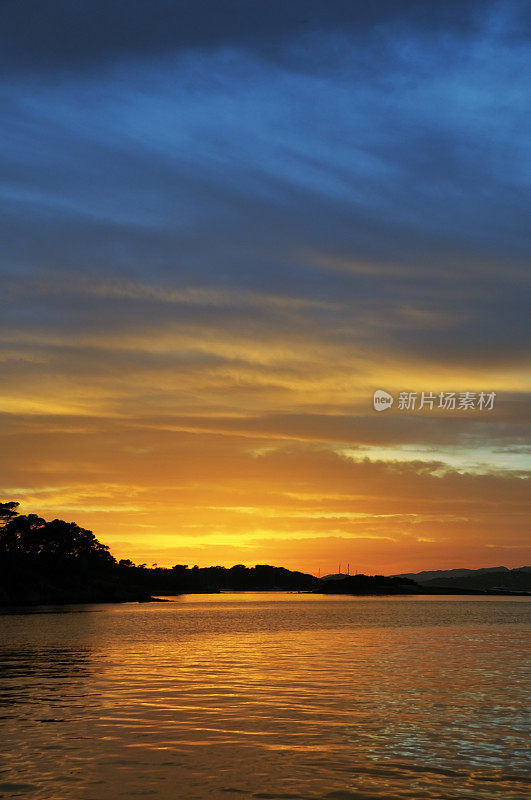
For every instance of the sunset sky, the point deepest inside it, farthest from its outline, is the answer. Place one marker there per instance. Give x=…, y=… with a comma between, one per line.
x=225, y=225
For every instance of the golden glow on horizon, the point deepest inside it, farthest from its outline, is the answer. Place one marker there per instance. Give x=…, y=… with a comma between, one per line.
x=192, y=443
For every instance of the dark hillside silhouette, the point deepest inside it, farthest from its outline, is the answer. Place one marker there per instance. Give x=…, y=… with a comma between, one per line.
x=59, y=562
x=54, y=562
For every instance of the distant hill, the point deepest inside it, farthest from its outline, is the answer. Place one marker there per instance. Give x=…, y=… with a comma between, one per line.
x=368, y=584
x=473, y=584
x=512, y=580
x=423, y=577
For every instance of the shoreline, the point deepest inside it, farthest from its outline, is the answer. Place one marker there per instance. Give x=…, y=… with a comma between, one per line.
x=77, y=601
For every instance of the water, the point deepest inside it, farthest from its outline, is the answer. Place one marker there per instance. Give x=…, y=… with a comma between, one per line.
x=266, y=696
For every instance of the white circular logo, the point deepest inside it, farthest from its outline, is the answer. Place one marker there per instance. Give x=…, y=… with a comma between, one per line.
x=382, y=400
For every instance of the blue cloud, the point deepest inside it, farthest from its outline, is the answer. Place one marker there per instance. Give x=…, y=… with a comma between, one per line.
x=379, y=169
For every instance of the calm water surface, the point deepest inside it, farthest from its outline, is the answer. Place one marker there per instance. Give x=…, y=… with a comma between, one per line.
x=266, y=696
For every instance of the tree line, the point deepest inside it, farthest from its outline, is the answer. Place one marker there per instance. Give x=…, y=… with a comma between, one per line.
x=60, y=562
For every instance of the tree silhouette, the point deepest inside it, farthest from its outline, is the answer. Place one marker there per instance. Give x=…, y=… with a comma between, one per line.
x=7, y=512
x=56, y=543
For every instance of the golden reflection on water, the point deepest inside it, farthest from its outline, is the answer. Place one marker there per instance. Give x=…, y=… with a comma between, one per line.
x=265, y=696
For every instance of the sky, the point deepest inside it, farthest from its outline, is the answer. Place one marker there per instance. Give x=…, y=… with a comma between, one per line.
x=224, y=226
